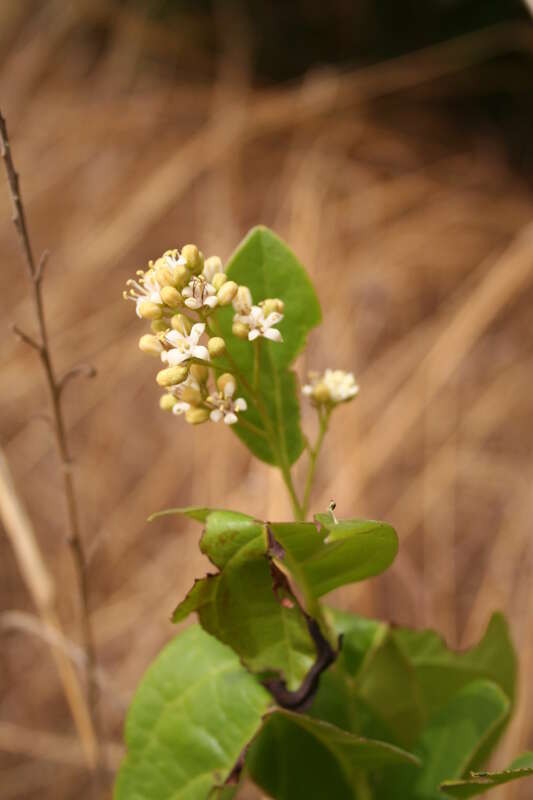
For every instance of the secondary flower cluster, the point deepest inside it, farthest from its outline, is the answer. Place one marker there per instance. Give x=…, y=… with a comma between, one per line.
x=333, y=387
x=177, y=294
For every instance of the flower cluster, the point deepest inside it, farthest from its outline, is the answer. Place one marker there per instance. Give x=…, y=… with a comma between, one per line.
x=178, y=293
x=333, y=387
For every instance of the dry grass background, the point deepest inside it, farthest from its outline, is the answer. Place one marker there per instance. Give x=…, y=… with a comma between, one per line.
x=415, y=224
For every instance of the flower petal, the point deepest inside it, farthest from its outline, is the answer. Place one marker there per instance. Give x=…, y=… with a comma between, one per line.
x=211, y=301
x=230, y=418
x=196, y=331
x=254, y=334
x=199, y=352
x=240, y=404
x=273, y=334
x=215, y=415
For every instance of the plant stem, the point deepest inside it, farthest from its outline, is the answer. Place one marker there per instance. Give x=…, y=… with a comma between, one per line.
x=257, y=354
x=323, y=418
x=55, y=389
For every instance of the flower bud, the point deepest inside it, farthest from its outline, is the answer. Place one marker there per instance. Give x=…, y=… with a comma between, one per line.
x=191, y=395
x=216, y=346
x=225, y=382
x=195, y=416
x=181, y=275
x=218, y=280
x=150, y=344
x=200, y=372
x=321, y=393
x=163, y=273
x=149, y=310
x=193, y=257
x=242, y=302
x=181, y=323
x=159, y=326
x=171, y=297
x=171, y=375
x=212, y=267
x=167, y=402
x=227, y=292
x=272, y=304
x=240, y=330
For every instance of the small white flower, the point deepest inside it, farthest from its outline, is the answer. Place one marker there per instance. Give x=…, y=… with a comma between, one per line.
x=334, y=386
x=146, y=288
x=173, y=259
x=185, y=347
x=199, y=292
x=260, y=325
x=225, y=407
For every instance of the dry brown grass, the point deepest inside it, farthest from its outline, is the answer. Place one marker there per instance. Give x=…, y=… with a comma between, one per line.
x=416, y=229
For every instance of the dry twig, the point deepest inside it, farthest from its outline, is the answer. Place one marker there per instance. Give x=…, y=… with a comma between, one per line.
x=35, y=272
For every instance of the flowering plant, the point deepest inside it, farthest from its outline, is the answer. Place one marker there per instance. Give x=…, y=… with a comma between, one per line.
x=272, y=684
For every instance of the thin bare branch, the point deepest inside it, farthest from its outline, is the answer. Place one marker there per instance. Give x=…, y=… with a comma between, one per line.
x=43, y=261
x=35, y=274
x=25, y=338
x=79, y=371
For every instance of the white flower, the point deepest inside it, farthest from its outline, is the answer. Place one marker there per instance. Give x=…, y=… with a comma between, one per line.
x=146, y=288
x=334, y=386
x=225, y=407
x=260, y=325
x=180, y=407
x=173, y=259
x=199, y=292
x=185, y=347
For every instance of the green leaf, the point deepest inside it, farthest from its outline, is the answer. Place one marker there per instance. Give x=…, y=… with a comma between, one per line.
x=267, y=630
x=441, y=671
x=481, y=782
x=450, y=743
x=194, y=711
x=269, y=268
x=352, y=551
x=297, y=756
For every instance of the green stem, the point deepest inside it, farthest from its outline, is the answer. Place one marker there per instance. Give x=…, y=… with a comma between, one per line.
x=257, y=353
x=274, y=434
x=362, y=787
x=323, y=416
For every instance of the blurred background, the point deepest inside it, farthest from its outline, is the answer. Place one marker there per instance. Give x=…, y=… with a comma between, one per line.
x=390, y=145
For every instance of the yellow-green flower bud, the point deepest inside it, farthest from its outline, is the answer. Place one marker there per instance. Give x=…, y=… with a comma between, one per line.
x=167, y=402
x=193, y=257
x=219, y=279
x=171, y=375
x=191, y=395
x=159, y=325
x=272, y=304
x=149, y=310
x=224, y=380
x=240, y=330
x=171, y=297
x=195, y=416
x=181, y=323
x=227, y=292
x=181, y=275
x=200, y=372
x=212, y=267
x=216, y=346
x=243, y=300
x=163, y=273
x=150, y=344
x=321, y=393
